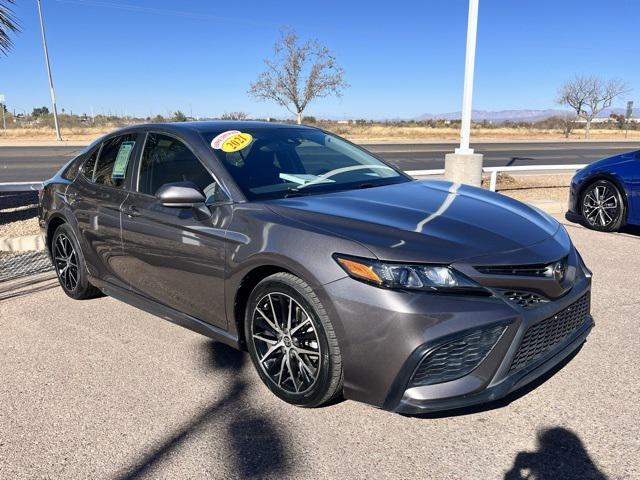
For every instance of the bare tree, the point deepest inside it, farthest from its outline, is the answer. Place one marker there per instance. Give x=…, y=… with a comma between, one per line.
x=589, y=95
x=234, y=116
x=298, y=74
x=8, y=25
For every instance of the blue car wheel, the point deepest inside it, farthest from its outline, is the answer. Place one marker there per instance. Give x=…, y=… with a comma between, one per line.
x=602, y=206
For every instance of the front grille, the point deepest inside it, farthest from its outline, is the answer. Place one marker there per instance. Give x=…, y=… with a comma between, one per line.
x=544, y=336
x=457, y=358
x=526, y=300
x=544, y=270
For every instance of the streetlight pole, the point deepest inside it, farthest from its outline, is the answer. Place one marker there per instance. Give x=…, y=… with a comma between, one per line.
x=46, y=58
x=464, y=166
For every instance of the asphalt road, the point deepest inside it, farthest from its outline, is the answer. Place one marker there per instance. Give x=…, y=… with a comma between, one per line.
x=38, y=163
x=98, y=389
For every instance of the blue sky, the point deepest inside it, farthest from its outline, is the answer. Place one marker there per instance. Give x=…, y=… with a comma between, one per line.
x=402, y=58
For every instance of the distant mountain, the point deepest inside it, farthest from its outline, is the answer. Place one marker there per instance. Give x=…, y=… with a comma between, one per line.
x=498, y=116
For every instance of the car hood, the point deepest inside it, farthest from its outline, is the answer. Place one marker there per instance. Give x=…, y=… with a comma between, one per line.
x=430, y=221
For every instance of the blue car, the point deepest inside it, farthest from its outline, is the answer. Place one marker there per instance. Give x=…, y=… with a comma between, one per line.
x=606, y=193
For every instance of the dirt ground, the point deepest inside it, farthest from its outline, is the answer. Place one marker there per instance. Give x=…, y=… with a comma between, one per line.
x=529, y=188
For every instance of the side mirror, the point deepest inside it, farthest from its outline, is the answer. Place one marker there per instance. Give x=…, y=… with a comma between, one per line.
x=180, y=195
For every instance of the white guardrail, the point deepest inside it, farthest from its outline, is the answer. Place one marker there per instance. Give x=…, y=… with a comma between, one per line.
x=19, y=187
x=28, y=186
x=495, y=170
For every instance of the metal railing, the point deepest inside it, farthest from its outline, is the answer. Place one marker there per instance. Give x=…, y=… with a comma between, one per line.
x=18, y=187
x=495, y=170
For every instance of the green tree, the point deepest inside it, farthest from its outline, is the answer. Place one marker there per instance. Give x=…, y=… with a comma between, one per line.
x=40, y=112
x=8, y=26
x=179, y=117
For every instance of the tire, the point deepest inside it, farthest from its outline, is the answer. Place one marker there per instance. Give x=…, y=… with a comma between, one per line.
x=299, y=361
x=70, y=266
x=602, y=206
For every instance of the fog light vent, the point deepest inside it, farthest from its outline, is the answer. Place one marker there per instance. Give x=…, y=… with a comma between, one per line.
x=457, y=358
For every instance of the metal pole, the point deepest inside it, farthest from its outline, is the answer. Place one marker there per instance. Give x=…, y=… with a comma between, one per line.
x=4, y=122
x=46, y=58
x=467, y=97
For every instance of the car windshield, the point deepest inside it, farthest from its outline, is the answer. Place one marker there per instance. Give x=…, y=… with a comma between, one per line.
x=269, y=163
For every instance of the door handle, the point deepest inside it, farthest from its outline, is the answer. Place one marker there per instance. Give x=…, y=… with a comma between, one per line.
x=131, y=211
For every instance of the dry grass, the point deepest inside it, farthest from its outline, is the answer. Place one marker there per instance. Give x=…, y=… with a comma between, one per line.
x=356, y=133
x=44, y=134
x=360, y=133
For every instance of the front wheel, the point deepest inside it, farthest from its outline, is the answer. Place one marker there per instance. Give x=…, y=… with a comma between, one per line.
x=602, y=206
x=292, y=343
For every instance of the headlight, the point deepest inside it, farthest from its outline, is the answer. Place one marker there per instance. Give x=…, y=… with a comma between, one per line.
x=438, y=278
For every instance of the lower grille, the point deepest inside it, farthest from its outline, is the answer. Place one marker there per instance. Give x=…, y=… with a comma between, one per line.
x=526, y=300
x=544, y=336
x=457, y=358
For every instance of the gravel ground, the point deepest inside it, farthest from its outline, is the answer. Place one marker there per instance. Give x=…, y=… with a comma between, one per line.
x=98, y=389
x=18, y=214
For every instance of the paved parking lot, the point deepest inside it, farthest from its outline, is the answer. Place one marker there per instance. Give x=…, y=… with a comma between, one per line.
x=98, y=389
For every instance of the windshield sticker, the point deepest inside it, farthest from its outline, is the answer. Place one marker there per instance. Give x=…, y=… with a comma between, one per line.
x=122, y=160
x=231, y=141
x=216, y=143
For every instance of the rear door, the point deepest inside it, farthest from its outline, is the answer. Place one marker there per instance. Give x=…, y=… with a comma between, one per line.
x=173, y=255
x=96, y=198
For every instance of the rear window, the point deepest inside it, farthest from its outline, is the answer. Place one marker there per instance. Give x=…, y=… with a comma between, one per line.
x=89, y=165
x=71, y=171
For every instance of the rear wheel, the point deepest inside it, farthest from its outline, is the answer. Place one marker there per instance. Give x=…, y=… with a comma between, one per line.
x=602, y=206
x=70, y=266
x=292, y=342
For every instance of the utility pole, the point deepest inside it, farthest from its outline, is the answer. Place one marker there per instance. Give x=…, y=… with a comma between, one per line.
x=627, y=118
x=464, y=166
x=46, y=58
x=2, y=107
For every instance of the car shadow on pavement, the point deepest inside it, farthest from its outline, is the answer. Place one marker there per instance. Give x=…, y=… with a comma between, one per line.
x=578, y=221
x=254, y=442
x=560, y=454
x=503, y=402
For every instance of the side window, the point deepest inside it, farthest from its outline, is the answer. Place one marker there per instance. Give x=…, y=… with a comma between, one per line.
x=90, y=164
x=71, y=172
x=168, y=160
x=111, y=168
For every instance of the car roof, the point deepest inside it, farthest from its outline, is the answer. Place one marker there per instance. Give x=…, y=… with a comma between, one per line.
x=213, y=125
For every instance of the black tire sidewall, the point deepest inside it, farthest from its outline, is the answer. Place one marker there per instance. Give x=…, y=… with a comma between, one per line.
x=83, y=286
x=614, y=226
x=281, y=285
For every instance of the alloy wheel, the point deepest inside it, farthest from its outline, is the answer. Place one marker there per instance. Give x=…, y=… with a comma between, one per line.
x=66, y=262
x=286, y=343
x=600, y=206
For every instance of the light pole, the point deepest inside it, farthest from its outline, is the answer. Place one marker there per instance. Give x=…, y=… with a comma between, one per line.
x=464, y=166
x=46, y=59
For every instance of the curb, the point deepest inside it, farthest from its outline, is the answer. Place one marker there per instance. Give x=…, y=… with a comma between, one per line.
x=21, y=244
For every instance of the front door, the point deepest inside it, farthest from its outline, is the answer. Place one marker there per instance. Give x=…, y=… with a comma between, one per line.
x=175, y=255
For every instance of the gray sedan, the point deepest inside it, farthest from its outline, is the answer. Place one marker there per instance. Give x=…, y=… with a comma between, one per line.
x=338, y=273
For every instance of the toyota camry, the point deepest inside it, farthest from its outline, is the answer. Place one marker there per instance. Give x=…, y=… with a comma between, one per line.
x=337, y=272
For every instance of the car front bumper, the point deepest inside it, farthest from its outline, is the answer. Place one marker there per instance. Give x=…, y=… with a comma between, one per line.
x=384, y=336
